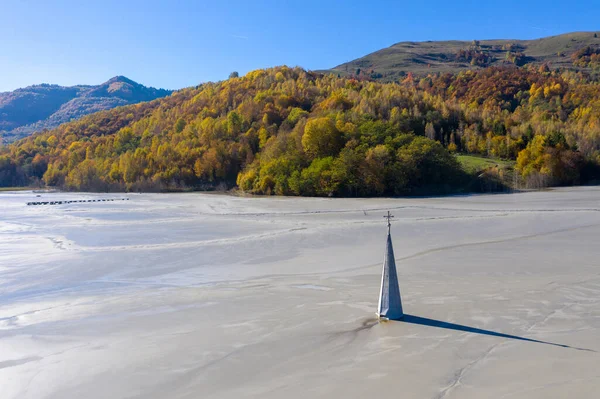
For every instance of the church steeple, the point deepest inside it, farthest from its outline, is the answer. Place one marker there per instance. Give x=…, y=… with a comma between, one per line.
x=390, y=303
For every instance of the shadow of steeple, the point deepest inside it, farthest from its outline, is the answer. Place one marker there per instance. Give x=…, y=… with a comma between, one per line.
x=423, y=321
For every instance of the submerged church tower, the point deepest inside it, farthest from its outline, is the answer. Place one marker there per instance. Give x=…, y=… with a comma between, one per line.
x=390, y=303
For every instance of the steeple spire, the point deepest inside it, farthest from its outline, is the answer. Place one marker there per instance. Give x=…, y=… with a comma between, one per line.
x=390, y=303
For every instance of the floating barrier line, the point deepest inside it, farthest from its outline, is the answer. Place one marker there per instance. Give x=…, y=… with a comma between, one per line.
x=34, y=203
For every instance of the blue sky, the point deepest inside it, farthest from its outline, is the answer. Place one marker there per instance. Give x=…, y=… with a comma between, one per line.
x=179, y=43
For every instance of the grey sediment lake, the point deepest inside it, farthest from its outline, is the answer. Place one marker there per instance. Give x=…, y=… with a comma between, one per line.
x=214, y=296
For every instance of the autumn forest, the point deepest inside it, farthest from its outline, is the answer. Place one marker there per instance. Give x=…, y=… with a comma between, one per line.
x=287, y=131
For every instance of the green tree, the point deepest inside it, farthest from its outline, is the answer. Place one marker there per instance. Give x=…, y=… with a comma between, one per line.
x=321, y=138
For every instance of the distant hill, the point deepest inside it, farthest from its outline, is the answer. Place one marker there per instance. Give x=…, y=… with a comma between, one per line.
x=45, y=106
x=420, y=58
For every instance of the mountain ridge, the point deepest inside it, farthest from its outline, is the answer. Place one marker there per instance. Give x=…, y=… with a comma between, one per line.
x=45, y=106
x=425, y=57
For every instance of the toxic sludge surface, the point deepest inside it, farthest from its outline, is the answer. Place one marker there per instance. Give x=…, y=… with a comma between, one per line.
x=212, y=296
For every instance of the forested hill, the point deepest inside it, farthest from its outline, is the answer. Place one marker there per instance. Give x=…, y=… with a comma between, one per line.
x=293, y=132
x=45, y=106
x=422, y=58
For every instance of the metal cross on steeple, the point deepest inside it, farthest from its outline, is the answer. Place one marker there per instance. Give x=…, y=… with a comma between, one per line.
x=389, y=217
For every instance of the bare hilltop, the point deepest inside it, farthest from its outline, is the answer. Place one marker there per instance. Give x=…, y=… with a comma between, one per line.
x=454, y=56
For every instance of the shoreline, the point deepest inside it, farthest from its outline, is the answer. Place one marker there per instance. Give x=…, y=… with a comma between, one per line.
x=240, y=194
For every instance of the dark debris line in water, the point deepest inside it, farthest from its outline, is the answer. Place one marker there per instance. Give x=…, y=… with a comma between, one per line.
x=33, y=203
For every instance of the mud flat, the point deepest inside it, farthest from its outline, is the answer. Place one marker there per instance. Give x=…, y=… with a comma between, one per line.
x=211, y=296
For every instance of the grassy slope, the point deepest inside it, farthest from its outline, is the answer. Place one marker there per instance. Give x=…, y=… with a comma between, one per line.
x=427, y=57
x=489, y=174
x=475, y=164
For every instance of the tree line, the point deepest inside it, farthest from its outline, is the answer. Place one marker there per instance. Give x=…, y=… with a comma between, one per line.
x=288, y=131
